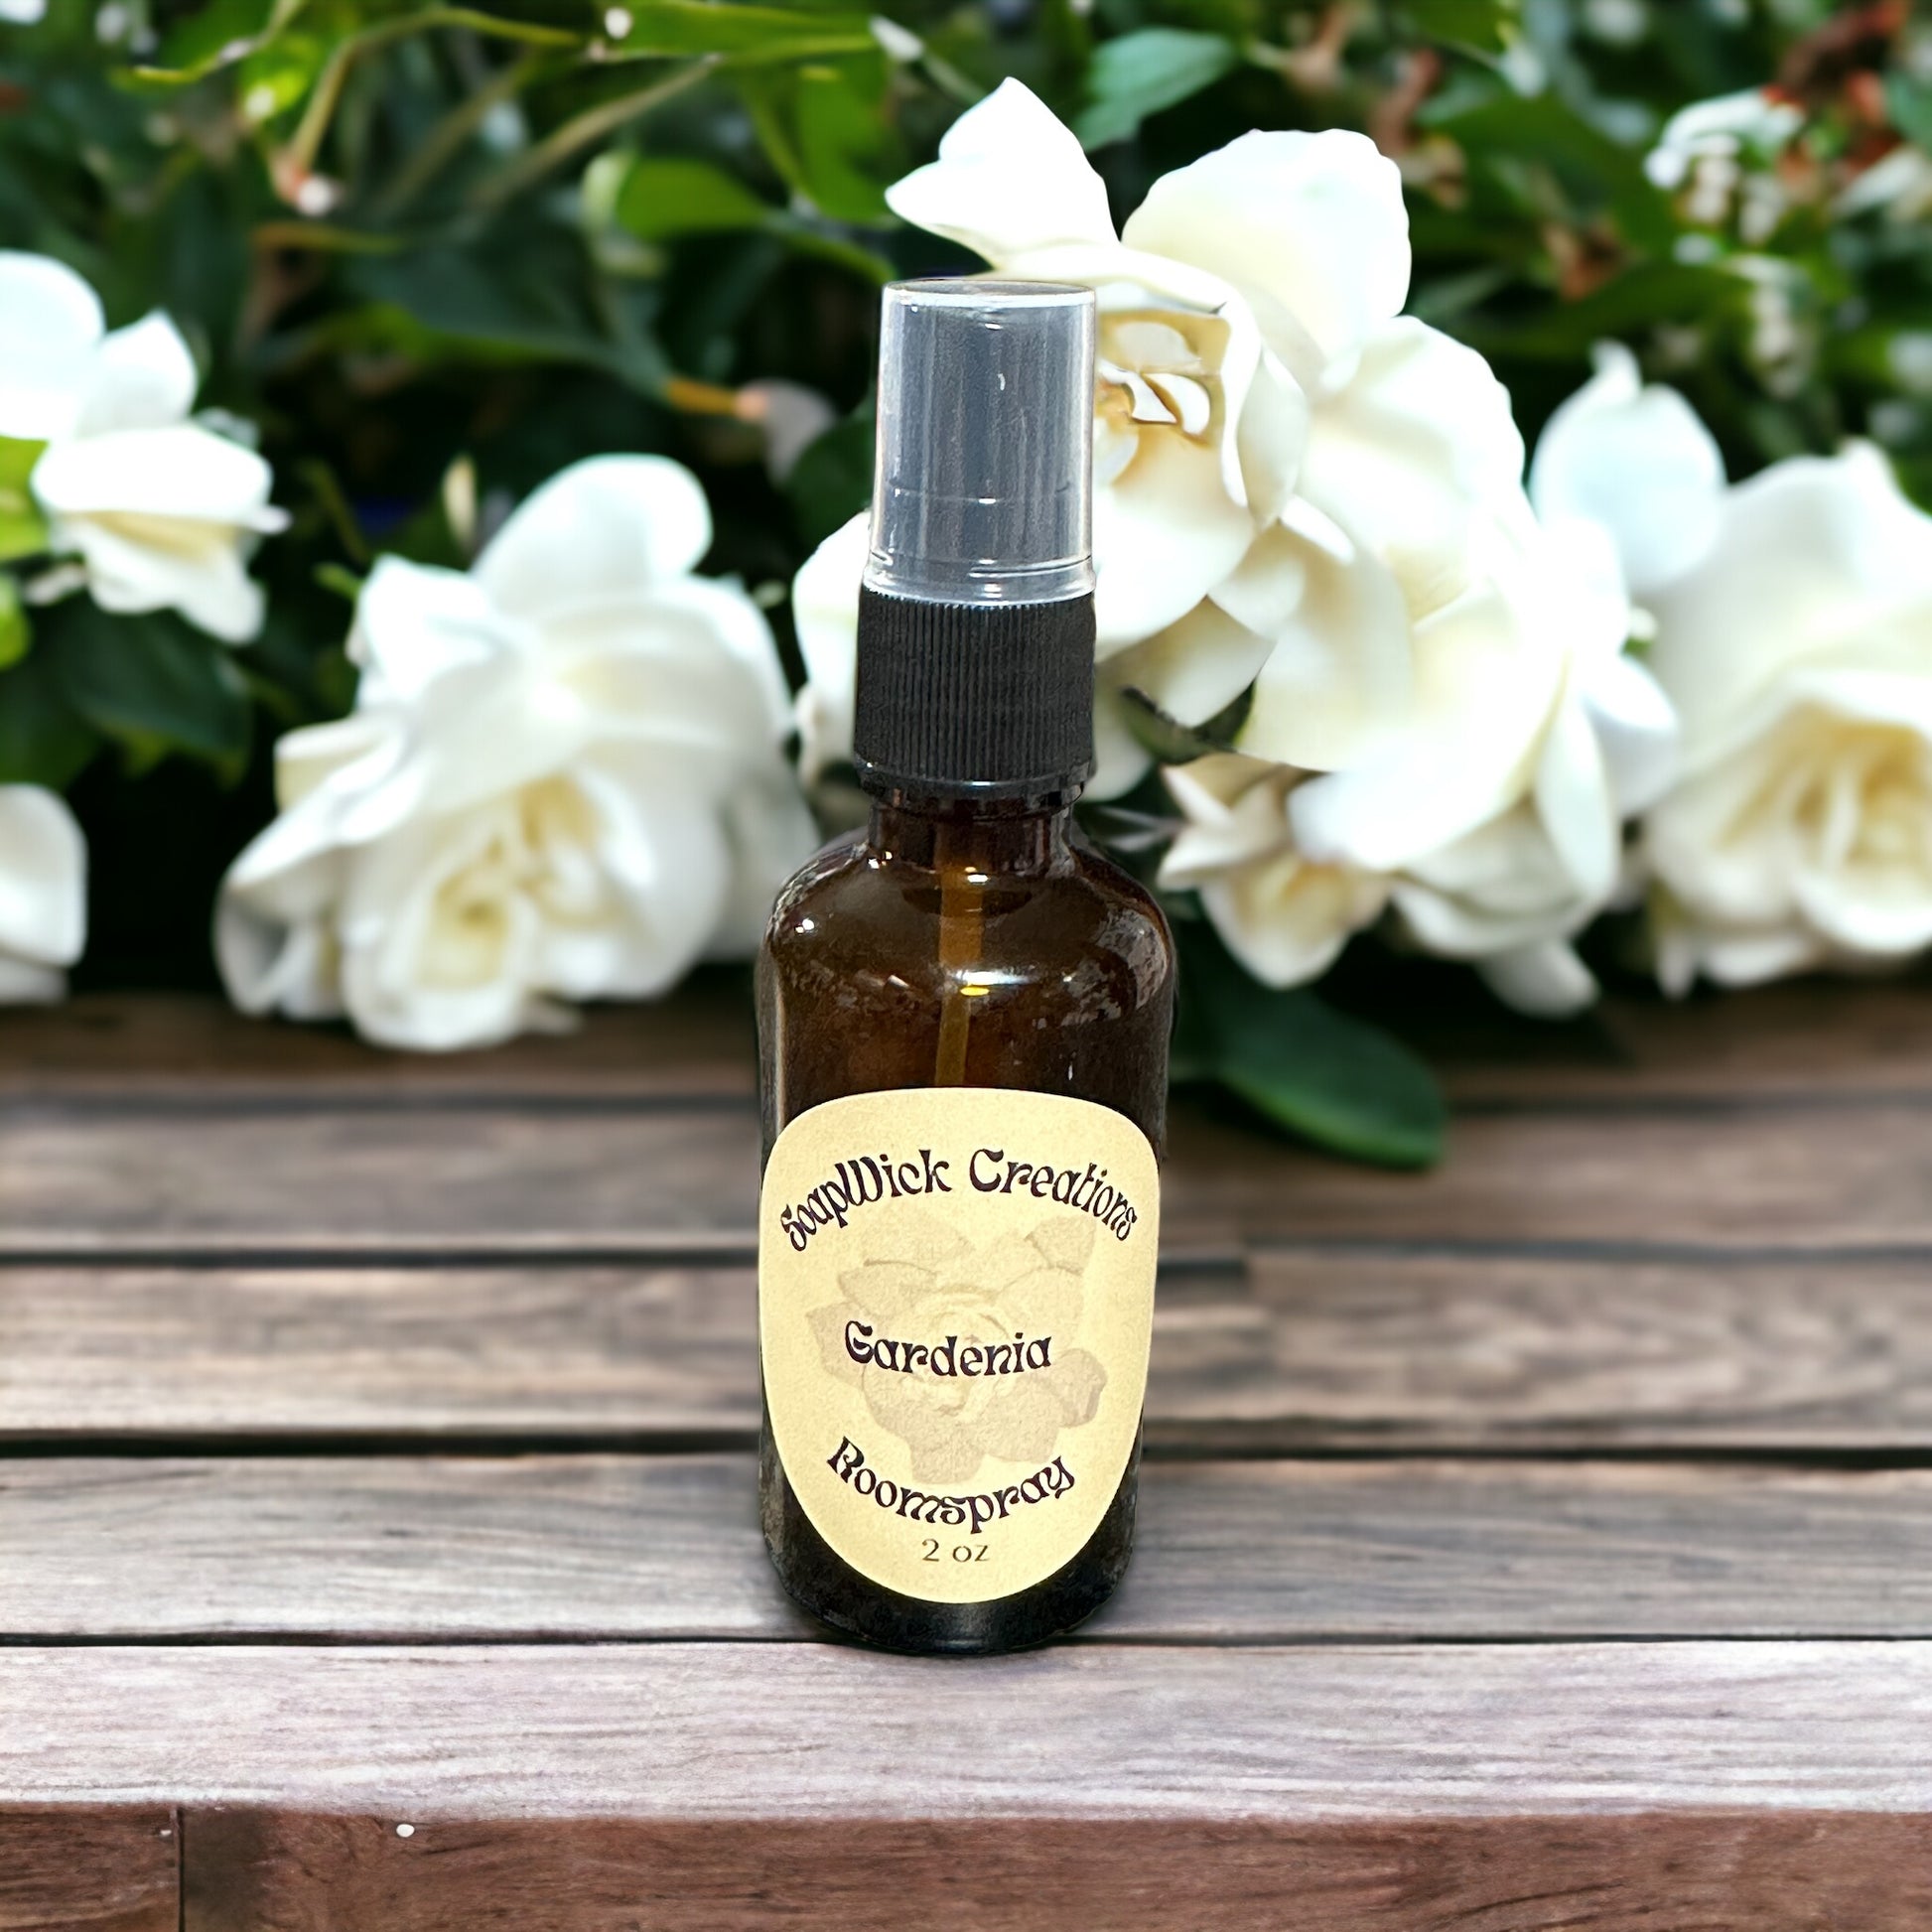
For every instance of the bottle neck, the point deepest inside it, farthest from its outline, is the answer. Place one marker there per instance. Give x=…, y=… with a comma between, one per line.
x=997, y=838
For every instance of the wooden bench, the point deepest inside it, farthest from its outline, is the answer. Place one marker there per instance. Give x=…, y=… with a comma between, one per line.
x=1543, y=1542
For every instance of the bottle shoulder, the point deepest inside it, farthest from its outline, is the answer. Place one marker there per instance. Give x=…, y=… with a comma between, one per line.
x=851, y=911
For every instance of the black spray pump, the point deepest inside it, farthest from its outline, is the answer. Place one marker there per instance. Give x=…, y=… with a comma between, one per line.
x=975, y=670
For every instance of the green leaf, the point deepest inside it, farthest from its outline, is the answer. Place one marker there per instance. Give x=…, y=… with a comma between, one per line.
x=43, y=740
x=16, y=634
x=754, y=34
x=1488, y=26
x=216, y=35
x=1593, y=169
x=827, y=130
x=509, y=305
x=1908, y=101
x=1642, y=297
x=661, y=198
x=153, y=683
x=1303, y=1064
x=1141, y=72
x=23, y=530
x=832, y=481
x=844, y=149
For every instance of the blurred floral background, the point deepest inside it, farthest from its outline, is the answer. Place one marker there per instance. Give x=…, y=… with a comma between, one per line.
x=431, y=439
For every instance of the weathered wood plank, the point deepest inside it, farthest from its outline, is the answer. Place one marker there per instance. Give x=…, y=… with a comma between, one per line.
x=1555, y=1351
x=423, y=1351
x=81, y=1871
x=436, y=1549
x=692, y=1732
x=1800, y=1042
x=1304, y=1349
x=378, y=1178
x=255, y=1872
x=1804, y=1040
x=106, y=1047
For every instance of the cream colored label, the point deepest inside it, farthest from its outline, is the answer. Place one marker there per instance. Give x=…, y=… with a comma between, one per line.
x=955, y=1297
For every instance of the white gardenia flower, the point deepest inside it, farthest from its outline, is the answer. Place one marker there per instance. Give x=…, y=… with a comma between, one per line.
x=563, y=779
x=1489, y=825
x=1426, y=665
x=1793, y=631
x=1240, y=287
x=161, y=510
x=43, y=894
x=1752, y=121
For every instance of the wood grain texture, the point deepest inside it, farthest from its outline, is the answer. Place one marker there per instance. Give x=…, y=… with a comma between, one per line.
x=428, y=1351
x=578, y=1176
x=689, y=1731
x=425, y=1549
x=1802, y=1040
x=106, y=1047
x=1302, y=1348
x=253, y=1872
x=376, y=1176
x=81, y=1871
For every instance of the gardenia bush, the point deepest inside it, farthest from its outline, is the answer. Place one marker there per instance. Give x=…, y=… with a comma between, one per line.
x=433, y=448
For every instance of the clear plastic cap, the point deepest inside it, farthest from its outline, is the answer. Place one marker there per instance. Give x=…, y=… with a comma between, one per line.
x=982, y=491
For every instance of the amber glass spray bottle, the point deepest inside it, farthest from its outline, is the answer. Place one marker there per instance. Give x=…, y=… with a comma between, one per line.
x=963, y=1016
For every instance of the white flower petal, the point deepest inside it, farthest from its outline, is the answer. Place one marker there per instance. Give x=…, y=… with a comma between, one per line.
x=1310, y=227
x=1545, y=980
x=184, y=474
x=1287, y=919
x=1163, y=537
x=1193, y=669
x=1010, y=179
x=1120, y=759
x=51, y=325
x=1340, y=681
x=1272, y=437
x=167, y=564
x=626, y=523
x=1814, y=556
x=1636, y=462
x=772, y=833
x=143, y=378
x=1636, y=727
x=1485, y=687
x=825, y=611
x=1232, y=811
x=42, y=879
x=416, y=623
x=576, y=798
x=1572, y=796
x=1416, y=457
x=23, y=984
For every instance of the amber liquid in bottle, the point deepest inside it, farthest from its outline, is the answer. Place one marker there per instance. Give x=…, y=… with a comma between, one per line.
x=960, y=943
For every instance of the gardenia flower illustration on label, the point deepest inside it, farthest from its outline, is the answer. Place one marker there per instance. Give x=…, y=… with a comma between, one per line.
x=928, y=1287
x=1793, y=631
x=563, y=779
x=43, y=894
x=162, y=511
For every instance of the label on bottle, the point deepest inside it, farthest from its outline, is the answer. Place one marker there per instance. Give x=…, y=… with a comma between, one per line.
x=955, y=1299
